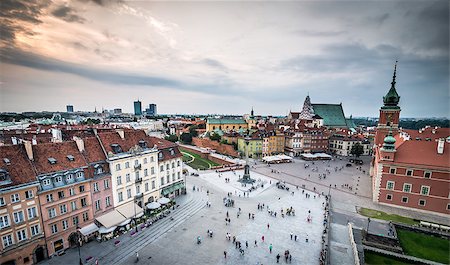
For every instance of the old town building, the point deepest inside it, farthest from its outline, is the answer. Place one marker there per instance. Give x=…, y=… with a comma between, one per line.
x=21, y=229
x=342, y=143
x=410, y=169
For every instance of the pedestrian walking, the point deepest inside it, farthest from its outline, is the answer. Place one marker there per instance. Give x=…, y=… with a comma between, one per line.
x=270, y=248
x=256, y=243
x=137, y=257
x=262, y=238
x=291, y=235
x=246, y=244
x=278, y=258
x=225, y=254
x=249, y=215
x=268, y=226
x=295, y=237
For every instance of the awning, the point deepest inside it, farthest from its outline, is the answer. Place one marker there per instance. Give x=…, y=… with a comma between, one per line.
x=110, y=219
x=153, y=205
x=140, y=215
x=89, y=229
x=104, y=230
x=172, y=188
x=163, y=200
x=129, y=209
x=124, y=222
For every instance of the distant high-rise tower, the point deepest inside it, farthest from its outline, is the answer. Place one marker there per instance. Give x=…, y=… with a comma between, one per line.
x=151, y=110
x=137, y=108
x=69, y=108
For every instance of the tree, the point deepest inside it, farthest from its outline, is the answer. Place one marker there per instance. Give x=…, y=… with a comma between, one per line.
x=224, y=141
x=186, y=138
x=215, y=137
x=357, y=150
x=172, y=138
x=193, y=130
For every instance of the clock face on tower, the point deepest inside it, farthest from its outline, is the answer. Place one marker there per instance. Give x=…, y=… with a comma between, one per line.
x=389, y=117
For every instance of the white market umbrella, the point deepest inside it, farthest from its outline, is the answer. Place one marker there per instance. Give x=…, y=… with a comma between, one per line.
x=153, y=205
x=163, y=200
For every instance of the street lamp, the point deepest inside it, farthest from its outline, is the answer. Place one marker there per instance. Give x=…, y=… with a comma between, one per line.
x=79, y=244
x=368, y=223
x=135, y=219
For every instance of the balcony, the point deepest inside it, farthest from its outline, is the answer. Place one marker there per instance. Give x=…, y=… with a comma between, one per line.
x=137, y=167
x=138, y=180
x=138, y=196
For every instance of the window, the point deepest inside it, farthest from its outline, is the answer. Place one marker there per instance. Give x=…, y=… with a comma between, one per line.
x=161, y=168
x=46, y=182
x=117, y=167
x=390, y=185
x=120, y=196
x=179, y=175
x=60, y=194
x=18, y=217
x=425, y=190
x=80, y=174
x=127, y=164
x=2, y=201
x=49, y=197
x=138, y=189
x=146, y=186
x=167, y=166
x=427, y=174
x=178, y=163
x=58, y=179
x=173, y=164
x=29, y=194
x=54, y=228
x=128, y=178
x=136, y=175
x=145, y=172
x=119, y=180
x=153, y=185
x=51, y=212
x=73, y=205
x=85, y=216
x=153, y=170
x=7, y=241
x=407, y=187
x=34, y=230
x=32, y=213
x=69, y=178
x=392, y=170
x=422, y=202
x=81, y=188
x=63, y=209
x=65, y=224
x=405, y=199
x=106, y=183
x=21, y=235
x=173, y=176
x=128, y=193
x=168, y=178
x=409, y=172
x=448, y=207
x=389, y=197
x=95, y=187
x=83, y=202
x=75, y=220
x=4, y=221
x=136, y=162
x=97, y=205
x=108, y=201
x=152, y=159
x=15, y=198
x=162, y=181
x=71, y=191
x=145, y=160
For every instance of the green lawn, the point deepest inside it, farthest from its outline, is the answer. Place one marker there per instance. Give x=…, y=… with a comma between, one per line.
x=372, y=258
x=389, y=217
x=198, y=162
x=424, y=246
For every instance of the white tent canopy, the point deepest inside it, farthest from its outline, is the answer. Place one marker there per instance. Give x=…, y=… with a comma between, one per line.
x=164, y=200
x=277, y=158
x=89, y=229
x=110, y=219
x=104, y=230
x=153, y=205
x=129, y=210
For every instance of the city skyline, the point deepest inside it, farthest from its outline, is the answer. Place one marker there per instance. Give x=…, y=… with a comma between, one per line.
x=215, y=57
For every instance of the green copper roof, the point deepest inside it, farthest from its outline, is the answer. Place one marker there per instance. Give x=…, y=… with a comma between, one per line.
x=226, y=121
x=389, y=142
x=392, y=98
x=350, y=123
x=332, y=114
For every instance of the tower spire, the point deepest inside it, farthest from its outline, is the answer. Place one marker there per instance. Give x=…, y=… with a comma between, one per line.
x=392, y=98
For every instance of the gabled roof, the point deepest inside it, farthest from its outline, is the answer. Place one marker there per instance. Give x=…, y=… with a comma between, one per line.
x=19, y=167
x=58, y=151
x=92, y=150
x=332, y=114
x=131, y=139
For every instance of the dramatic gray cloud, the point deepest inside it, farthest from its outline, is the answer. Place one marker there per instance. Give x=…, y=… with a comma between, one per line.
x=224, y=57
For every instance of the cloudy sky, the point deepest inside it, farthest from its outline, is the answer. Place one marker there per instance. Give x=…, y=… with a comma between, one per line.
x=224, y=57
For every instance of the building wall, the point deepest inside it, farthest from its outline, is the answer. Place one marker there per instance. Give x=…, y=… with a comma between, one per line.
x=22, y=252
x=69, y=217
x=171, y=174
x=104, y=191
x=343, y=147
x=226, y=126
x=254, y=147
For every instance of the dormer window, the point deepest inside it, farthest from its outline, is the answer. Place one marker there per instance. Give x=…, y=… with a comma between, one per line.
x=46, y=182
x=7, y=161
x=58, y=179
x=70, y=158
x=116, y=148
x=160, y=155
x=172, y=152
x=51, y=160
x=98, y=169
x=4, y=175
x=142, y=144
x=69, y=177
x=80, y=174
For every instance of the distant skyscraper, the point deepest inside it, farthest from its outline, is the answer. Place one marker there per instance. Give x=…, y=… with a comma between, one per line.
x=137, y=108
x=69, y=108
x=151, y=110
x=117, y=111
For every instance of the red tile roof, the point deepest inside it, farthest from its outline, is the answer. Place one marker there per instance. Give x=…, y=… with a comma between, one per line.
x=59, y=151
x=428, y=133
x=20, y=169
x=92, y=150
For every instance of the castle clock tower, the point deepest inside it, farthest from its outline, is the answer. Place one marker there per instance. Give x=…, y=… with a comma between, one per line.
x=389, y=113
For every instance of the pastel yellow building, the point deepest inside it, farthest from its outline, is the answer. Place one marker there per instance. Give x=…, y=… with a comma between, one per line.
x=226, y=125
x=273, y=143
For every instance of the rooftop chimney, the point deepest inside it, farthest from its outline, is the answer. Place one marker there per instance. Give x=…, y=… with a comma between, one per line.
x=440, y=146
x=80, y=143
x=14, y=140
x=121, y=133
x=56, y=135
x=28, y=149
